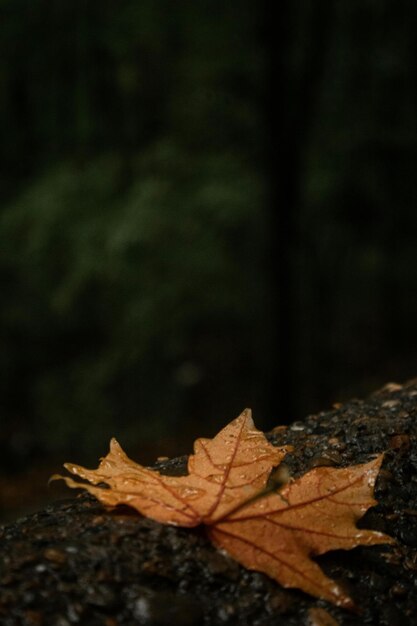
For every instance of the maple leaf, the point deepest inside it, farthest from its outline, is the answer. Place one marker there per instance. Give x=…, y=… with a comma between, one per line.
x=226, y=489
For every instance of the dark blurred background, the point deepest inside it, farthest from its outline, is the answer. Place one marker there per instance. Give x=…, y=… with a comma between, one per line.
x=203, y=208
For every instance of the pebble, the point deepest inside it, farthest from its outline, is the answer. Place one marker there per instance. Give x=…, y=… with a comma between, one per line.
x=166, y=609
x=55, y=556
x=392, y=616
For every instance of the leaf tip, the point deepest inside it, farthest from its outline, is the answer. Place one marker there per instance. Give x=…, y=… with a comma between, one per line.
x=246, y=415
x=114, y=444
x=54, y=477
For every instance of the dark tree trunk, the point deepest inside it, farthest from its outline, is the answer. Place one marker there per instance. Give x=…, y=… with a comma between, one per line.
x=291, y=102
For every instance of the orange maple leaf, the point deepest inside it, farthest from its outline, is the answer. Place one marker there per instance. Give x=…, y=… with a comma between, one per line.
x=274, y=532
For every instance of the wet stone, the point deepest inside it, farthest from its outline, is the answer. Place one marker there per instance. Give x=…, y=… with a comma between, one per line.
x=377, y=582
x=391, y=615
x=225, y=613
x=77, y=563
x=34, y=618
x=408, y=532
x=55, y=556
x=165, y=609
x=101, y=596
x=399, y=590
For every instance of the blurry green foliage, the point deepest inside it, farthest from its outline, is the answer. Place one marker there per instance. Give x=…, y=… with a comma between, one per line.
x=116, y=294
x=135, y=224
x=131, y=224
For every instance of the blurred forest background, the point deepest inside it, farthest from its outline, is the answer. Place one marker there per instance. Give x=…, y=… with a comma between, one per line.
x=202, y=209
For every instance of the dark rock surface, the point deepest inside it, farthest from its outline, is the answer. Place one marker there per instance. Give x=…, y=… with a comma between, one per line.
x=76, y=563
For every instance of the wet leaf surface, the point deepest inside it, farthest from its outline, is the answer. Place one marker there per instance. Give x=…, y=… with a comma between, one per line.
x=262, y=518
